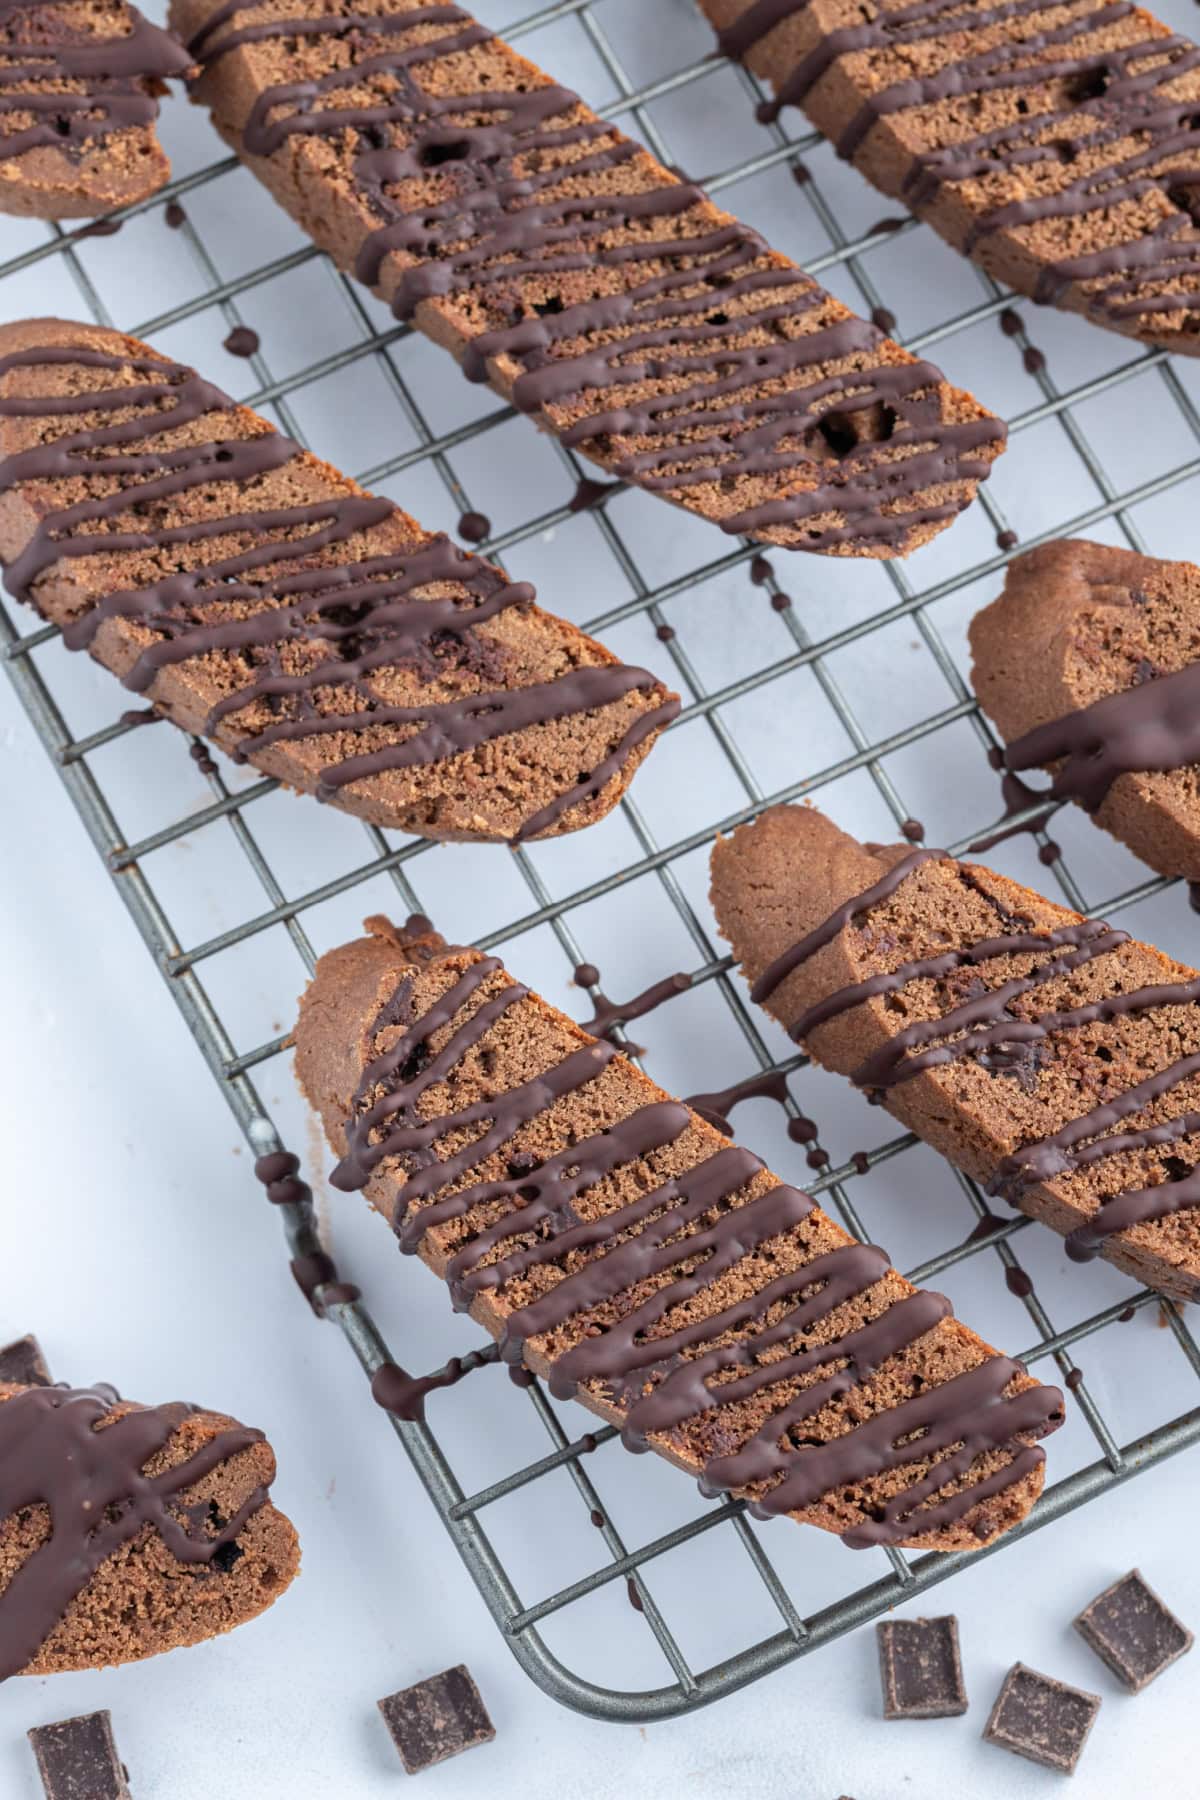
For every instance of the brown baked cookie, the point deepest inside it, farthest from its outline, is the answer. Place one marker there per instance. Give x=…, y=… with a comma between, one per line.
x=1087, y=663
x=561, y=261
x=79, y=88
x=258, y=596
x=1056, y=145
x=126, y=1530
x=1053, y=1058
x=629, y=1253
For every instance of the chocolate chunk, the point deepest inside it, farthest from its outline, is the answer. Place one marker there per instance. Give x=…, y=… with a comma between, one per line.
x=436, y=1719
x=920, y=1668
x=1131, y=1630
x=1042, y=1719
x=77, y=1759
x=22, y=1362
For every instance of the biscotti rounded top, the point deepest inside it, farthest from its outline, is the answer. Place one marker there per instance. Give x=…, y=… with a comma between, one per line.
x=1056, y=144
x=1089, y=664
x=127, y=1530
x=258, y=596
x=648, y=328
x=79, y=86
x=619, y=1245
x=1054, y=1058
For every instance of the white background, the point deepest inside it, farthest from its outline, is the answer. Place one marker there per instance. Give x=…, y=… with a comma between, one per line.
x=137, y=1244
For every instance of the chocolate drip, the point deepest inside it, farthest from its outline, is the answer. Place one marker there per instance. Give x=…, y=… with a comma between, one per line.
x=641, y=1266
x=619, y=1012
x=370, y=612
x=315, y=1273
x=1115, y=99
x=111, y=78
x=860, y=443
x=717, y=1106
x=404, y=1395
x=1153, y=727
x=983, y=1027
x=99, y=1498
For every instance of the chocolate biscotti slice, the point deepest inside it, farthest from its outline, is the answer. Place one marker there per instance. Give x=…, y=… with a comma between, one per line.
x=258, y=596
x=595, y=289
x=612, y=1239
x=1089, y=665
x=79, y=87
x=1056, y=144
x=1053, y=1058
x=127, y=1530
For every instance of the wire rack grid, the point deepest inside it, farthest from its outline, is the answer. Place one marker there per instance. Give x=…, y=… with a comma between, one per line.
x=864, y=266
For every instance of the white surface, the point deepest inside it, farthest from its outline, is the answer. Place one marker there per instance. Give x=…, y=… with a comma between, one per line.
x=140, y=1250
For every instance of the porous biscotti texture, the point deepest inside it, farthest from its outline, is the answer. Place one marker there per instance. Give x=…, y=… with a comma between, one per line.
x=1076, y=623
x=780, y=878
x=143, y=1600
x=1057, y=145
x=563, y=262
x=96, y=149
x=479, y=1053
x=346, y=663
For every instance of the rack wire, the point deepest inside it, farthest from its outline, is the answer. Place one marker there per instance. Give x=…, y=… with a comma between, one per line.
x=856, y=262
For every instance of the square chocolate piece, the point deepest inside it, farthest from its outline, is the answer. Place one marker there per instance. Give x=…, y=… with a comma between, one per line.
x=1131, y=1630
x=23, y=1362
x=920, y=1668
x=437, y=1718
x=1042, y=1719
x=77, y=1759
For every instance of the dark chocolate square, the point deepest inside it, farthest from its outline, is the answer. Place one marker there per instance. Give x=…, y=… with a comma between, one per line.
x=1131, y=1630
x=22, y=1361
x=437, y=1718
x=1043, y=1719
x=77, y=1759
x=920, y=1668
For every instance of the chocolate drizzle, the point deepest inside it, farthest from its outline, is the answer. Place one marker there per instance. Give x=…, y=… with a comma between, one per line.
x=58, y=1449
x=479, y=193
x=317, y=635
x=71, y=86
x=1093, y=89
x=652, y=1261
x=984, y=1027
x=1151, y=727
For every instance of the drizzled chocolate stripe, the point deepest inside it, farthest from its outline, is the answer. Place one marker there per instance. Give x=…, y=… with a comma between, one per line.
x=689, y=1230
x=99, y=1498
x=982, y=1027
x=505, y=219
x=1106, y=99
x=41, y=50
x=374, y=612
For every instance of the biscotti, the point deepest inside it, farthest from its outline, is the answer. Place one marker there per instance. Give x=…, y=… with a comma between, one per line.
x=629, y=1253
x=1057, y=145
x=1053, y=1058
x=595, y=289
x=127, y=1530
x=79, y=87
x=1087, y=665
x=258, y=596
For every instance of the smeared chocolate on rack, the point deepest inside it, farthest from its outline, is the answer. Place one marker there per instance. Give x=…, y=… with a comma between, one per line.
x=478, y=192
x=264, y=604
x=60, y=1449
x=75, y=86
x=1094, y=85
x=984, y=1028
x=693, y=1228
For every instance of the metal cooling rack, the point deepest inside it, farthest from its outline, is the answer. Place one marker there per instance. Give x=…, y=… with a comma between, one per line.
x=131, y=865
